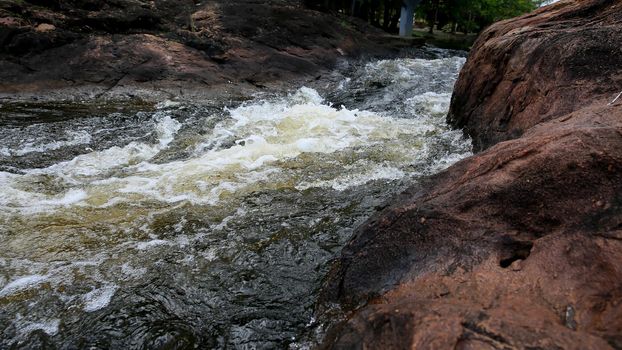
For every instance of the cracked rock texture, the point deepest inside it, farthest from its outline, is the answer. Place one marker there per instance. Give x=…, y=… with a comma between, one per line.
x=110, y=48
x=537, y=68
x=519, y=246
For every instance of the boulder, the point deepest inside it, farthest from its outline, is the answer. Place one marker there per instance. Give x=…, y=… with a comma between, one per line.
x=539, y=67
x=518, y=246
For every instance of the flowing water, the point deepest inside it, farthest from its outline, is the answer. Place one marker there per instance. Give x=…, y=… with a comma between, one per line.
x=193, y=226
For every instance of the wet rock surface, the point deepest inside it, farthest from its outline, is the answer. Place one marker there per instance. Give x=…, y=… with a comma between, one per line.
x=518, y=246
x=86, y=49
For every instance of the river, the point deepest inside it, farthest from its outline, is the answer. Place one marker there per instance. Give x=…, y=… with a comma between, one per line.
x=185, y=225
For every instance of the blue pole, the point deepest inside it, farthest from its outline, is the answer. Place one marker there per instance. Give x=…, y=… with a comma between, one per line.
x=407, y=17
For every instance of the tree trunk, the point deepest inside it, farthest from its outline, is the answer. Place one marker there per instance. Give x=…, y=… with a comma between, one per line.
x=387, y=15
x=434, y=16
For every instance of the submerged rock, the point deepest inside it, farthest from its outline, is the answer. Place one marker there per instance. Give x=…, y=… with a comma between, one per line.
x=518, y=246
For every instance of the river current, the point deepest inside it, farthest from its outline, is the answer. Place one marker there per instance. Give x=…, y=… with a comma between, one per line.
x=181, y=226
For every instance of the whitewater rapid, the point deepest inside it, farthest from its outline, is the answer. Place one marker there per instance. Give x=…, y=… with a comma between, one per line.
x=192, y=217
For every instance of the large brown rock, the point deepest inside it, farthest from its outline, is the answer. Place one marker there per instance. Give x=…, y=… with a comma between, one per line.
x=538, y=67
x=108, y=48
x=519, y=246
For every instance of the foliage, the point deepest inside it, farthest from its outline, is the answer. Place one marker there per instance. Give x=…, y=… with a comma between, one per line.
x=453, y=15
x=472, y=15
x=381, y=13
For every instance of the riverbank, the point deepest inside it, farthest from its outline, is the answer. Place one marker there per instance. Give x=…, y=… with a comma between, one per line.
x=518, y=246
x=452, y=41
x=182, y=49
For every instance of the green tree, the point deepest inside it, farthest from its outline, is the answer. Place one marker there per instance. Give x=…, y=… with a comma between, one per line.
x=457, y=15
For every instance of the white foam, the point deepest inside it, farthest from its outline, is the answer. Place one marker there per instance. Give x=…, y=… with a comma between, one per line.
x=49, y=327
x=98, y=298
x=342, y=183
x=95, y=163
x=430, y=103
x=82, y=173
x=167, y=104
x=73, y=196
x=14, y=198
x=74, y=138
x=240, y=212
x=210, y=255
x=151, y=244
x=266, y=134
x=262, y=137
x=166, y=128
x=401, y=71
x=131, y=271
x=22, y=283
